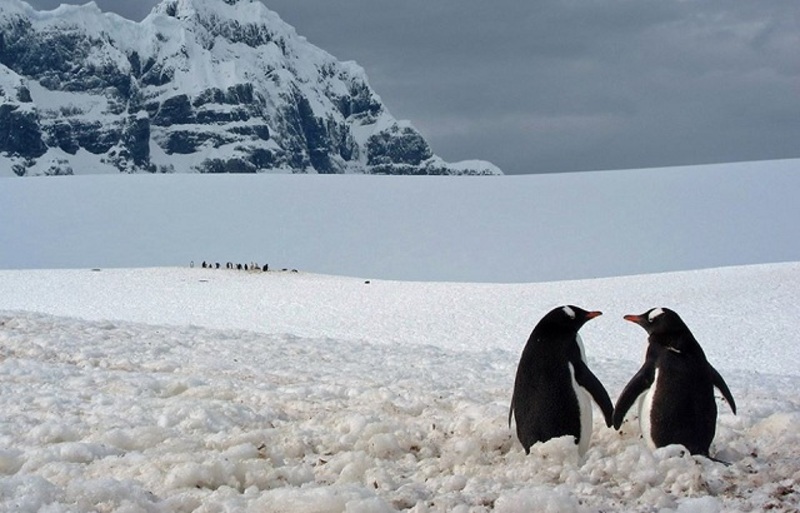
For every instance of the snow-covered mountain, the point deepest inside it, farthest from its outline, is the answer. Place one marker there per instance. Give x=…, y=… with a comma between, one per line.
x=199, y=85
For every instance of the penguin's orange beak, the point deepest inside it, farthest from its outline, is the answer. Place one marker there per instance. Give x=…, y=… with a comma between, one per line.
x=637, y=319
x=592, y=315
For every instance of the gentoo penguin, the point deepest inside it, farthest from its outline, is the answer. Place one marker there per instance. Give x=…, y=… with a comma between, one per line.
x=675, y=386
x=554, y=386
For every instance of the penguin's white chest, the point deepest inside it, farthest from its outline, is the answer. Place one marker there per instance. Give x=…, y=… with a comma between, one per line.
x=584, y=405
x=645, y=409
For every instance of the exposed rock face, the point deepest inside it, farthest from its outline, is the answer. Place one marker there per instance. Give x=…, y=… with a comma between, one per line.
x=19, y=132
x=210, y=86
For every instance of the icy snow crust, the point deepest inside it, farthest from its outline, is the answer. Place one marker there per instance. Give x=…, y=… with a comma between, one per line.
x=177, y=389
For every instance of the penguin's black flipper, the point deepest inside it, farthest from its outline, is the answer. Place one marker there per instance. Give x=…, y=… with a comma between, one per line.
x=640, y=382
x=718, y=382
x=585, y=378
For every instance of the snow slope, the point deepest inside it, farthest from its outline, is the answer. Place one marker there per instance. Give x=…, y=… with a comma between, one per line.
x=489, y=229
x=178, y=389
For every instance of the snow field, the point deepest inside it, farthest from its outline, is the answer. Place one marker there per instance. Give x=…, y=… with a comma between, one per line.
x=182, y=415
x=514, y=229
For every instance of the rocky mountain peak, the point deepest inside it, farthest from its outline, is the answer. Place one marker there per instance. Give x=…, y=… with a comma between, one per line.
x=198, y=86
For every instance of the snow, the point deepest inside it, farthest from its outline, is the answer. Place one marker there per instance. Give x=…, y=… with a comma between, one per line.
x=62, y=104
x=9, y=83
x=528, y=228
x=465, y=165
x=86, y=18
x=189, y=389
x=378, y=377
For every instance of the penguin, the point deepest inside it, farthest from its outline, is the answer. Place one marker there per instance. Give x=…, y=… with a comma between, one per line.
x=675, y=386
x=554, y=386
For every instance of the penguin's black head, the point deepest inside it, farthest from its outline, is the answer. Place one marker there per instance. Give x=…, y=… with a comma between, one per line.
x=658, y=321
x=568, y=317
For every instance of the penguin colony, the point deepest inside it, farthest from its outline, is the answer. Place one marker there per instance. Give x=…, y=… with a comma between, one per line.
x=554, y=386
x=252, y=266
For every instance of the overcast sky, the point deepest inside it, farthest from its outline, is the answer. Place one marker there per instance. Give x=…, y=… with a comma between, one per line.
x=570, y=85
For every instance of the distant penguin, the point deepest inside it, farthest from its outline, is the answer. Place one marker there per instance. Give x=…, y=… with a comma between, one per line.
x=554, y=386
x=675, y=386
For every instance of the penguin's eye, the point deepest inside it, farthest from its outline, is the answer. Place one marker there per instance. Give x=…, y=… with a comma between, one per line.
x=654, y=313
x=569, y=312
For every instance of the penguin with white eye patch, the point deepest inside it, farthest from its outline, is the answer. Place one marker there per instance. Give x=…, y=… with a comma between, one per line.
x=554, y=386
x=675, y=386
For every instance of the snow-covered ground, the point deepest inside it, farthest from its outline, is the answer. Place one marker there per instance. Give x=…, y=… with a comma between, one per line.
x=178, y=389
x=530, y=228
